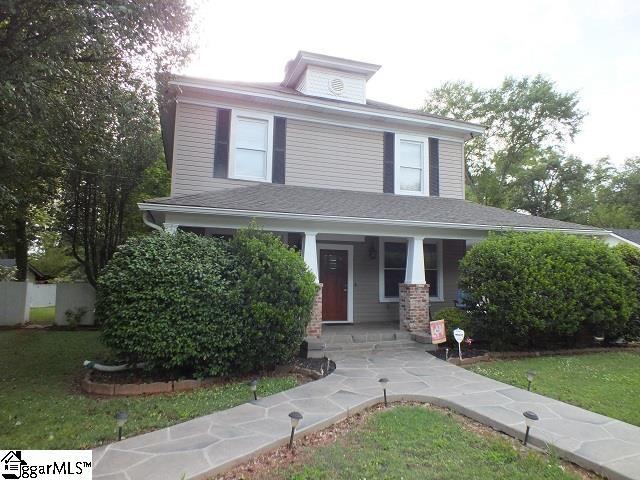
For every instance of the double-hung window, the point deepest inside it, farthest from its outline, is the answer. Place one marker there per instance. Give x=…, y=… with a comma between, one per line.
x=393, y=264
x=251, y=146
x=410, y=163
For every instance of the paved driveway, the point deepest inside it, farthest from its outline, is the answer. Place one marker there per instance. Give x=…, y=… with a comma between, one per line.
x=214, y=443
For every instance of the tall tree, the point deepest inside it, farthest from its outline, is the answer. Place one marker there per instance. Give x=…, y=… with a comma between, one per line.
x=524, y=118
x=62, y=62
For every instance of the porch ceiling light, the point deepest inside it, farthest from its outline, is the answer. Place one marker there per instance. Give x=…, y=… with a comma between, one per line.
x=531, y=374
x=121, y=419
x=295, y=418
x=530, y=418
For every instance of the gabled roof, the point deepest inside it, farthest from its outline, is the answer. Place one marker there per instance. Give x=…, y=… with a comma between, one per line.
x=320, y=203
x=629, y=235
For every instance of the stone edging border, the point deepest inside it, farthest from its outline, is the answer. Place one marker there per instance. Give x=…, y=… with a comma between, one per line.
x=133, y=389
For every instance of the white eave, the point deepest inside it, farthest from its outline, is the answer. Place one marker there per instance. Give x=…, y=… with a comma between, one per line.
x=317, y=104
x=186, y=209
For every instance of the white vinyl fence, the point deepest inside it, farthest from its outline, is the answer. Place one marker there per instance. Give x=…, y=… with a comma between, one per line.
x=17, y=298
x=42, y=294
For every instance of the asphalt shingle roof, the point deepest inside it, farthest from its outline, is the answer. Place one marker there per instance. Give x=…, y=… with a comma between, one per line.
x=632, y=235
x=267, y=197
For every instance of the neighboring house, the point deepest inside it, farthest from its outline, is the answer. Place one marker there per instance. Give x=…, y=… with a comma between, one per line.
x=632, y=237
x=33, y=274
x=373, y=194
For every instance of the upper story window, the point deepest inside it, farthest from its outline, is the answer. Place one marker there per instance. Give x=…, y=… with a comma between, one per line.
x=393, y=265
x=411, y=155
x=250, y=146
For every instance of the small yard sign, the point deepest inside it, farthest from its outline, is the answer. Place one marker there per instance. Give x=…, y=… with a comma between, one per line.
x=438, y=334
x=458, y=334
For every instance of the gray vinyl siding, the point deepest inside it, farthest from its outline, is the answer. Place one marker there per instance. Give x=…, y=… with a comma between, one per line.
x=451, y=169
x=366, y=302
x=195, y=133
x=321, y=155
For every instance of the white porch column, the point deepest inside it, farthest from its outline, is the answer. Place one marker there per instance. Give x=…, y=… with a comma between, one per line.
x=415, y=261
x=171, y=228
x=311, y=253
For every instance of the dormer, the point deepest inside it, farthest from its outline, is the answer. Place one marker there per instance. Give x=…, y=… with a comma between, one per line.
x=329, y=77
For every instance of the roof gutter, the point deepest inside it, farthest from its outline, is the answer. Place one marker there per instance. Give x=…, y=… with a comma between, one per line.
x=371, y=112
x=363, y=220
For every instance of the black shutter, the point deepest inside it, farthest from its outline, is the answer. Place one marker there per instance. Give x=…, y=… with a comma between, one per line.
x=279, y=149
x=221, y=150
x=434, y=167
x=388, y=159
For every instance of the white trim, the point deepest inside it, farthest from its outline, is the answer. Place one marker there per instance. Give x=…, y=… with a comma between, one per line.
x=250, y=114
x=622, y=240
x=349, y=250
x=311, y=118
x=382, y=241
x=369, y=112
x=363, y=220
x=399, y=137
x=310, y=253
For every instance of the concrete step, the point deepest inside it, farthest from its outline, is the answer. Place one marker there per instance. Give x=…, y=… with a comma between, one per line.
x=370, y=347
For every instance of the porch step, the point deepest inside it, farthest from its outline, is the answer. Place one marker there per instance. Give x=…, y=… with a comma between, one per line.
x=333, y=348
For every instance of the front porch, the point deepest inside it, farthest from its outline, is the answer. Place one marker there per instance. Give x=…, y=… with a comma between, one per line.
x=364, y=336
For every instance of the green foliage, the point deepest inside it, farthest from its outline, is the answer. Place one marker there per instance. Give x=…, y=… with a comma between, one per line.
x=41, y=410
x=75, y=316
x=7, y=273
x=274, y=294
x=631, y=257
x=456, y=318
x=542, y=289
x=205, y=305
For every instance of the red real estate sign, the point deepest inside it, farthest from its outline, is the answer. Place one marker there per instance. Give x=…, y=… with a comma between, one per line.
x=438, y=333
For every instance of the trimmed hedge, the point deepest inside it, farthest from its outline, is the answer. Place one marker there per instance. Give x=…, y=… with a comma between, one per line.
x=631, y=257
x=538, y=290
x=455, y=318
x=203, y=305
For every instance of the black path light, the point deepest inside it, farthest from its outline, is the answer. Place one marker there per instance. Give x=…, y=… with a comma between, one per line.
x=253, y=384
x=295, y=420
x=529, y=419
x=383, y=384
x=121, y=419
x=531, y=374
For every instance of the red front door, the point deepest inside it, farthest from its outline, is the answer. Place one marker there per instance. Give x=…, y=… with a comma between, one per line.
x=334, y=276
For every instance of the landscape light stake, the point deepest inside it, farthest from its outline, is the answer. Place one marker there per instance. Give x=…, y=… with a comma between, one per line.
x=295, y=419
x=253, y=384
x=383, y=383
x=529, y=419
x=530, y=376
x=121, y=419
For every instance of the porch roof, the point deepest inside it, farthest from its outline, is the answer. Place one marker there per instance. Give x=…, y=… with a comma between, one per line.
x=309, y=202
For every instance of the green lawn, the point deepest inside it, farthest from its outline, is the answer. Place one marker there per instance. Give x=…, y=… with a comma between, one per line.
x=417, y=442
x=42, y=315
x=41, y=407
x=606, y=383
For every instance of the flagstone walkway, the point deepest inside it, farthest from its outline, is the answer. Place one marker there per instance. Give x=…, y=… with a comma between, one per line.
x=212, y=444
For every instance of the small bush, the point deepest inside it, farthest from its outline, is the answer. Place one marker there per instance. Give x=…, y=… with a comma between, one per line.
x=204, y=305
x=631, y=257
x=455, y=318
x=543, y=289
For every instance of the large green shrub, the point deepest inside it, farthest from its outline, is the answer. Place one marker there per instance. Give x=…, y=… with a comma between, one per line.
x=204, y=305
x=545, y=289
x=631, y=257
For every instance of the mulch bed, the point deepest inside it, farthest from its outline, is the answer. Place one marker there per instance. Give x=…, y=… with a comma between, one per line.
x=453, y=353
x=141, y=382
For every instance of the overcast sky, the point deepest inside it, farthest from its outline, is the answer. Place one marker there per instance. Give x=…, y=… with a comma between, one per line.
x=592, y=47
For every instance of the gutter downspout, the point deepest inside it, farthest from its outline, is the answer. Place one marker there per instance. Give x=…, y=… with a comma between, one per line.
x=150, y=223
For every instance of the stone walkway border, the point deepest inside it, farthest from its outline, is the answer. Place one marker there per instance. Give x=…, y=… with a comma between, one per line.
x=209, y=445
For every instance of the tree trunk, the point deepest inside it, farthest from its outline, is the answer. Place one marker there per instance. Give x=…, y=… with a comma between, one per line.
x=21, y=247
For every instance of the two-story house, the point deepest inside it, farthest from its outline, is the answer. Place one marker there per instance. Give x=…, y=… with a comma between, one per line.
x=372, y=194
